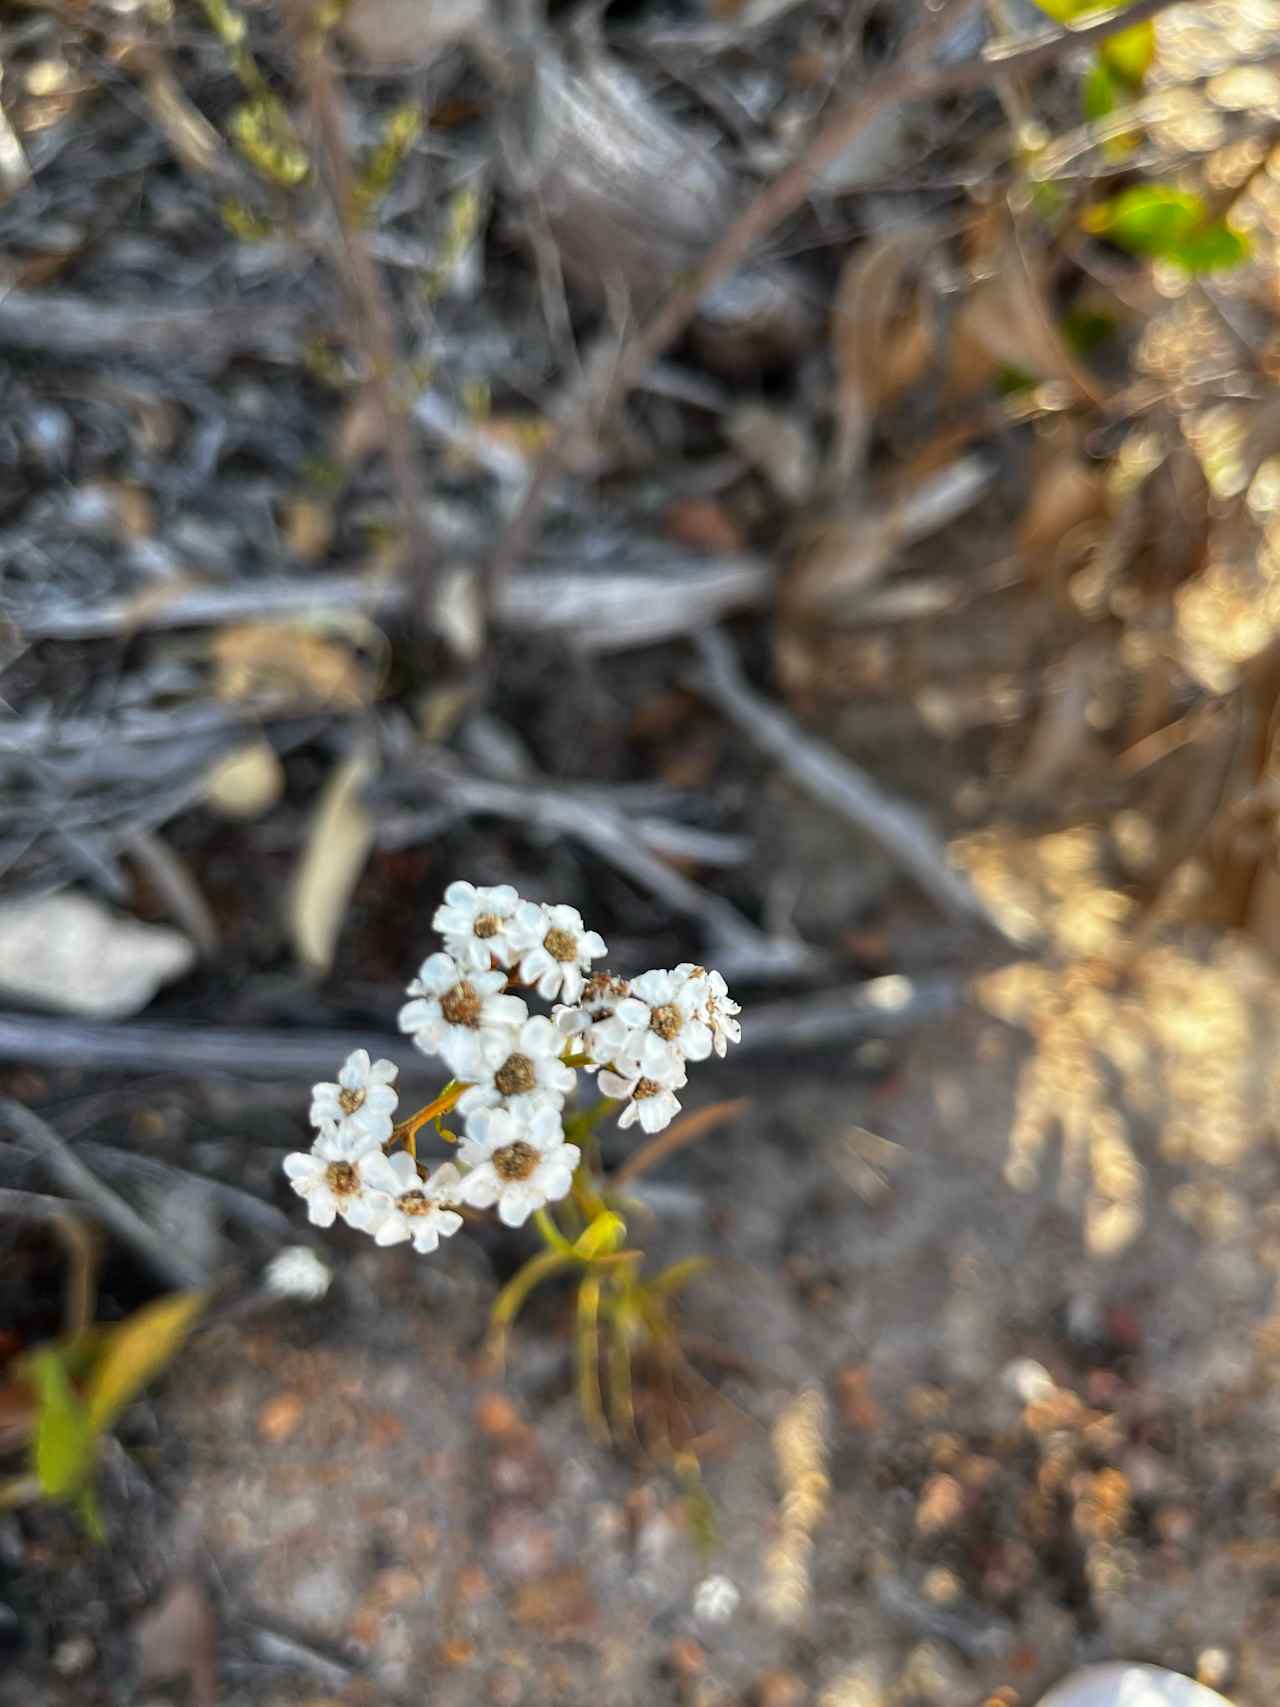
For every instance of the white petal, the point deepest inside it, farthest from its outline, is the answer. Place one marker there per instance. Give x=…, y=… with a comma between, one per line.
x=421, y=1011
x=393, y=1231
x=353, y=1075
x=517, y=1203
x=460, y=893
x=368, y=1210
x=438, y=974
x=443, y=1184
x=302, y=1168
x=426, y=1238
x=481, y=1187
x=569, y=984
x=321, y=1209
x=613, y=1085
x=629, y=1115
x=447, y=1223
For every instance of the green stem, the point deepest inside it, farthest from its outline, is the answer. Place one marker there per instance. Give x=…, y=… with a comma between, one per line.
x=552, y=1237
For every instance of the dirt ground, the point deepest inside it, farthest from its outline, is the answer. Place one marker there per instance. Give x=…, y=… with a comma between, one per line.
x=959, y=1454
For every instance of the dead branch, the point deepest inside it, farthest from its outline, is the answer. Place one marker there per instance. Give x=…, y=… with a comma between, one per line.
x=85, y=1187
x=833, y=781
x=860, y=1010
x=55, y=323
x=599, y=610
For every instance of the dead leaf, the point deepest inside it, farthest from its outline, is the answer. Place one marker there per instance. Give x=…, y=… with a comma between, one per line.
x=288, y=663
x=1005, y=323
x=704, y=525
x=138, y=1349
x=246, y=783
x=307, y=525
x=177, y=1638
x=1065, y=493
x=337, y=847
x=880, y=336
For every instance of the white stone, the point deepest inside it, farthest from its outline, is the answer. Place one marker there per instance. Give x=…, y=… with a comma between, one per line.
x=70, y=953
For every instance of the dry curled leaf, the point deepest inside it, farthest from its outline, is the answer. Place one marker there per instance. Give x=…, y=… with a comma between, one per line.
x=880, y=336
x=289, y=663
x=337, y=847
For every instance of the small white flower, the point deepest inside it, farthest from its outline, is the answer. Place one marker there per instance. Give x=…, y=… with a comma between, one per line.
x=473, y=923
x=649, y=1101
x=716, y=1008
x=362, y=1101
x=600, y=996
x=520, y=1165
x=670, y=1032
x=333, y=1177
x=419, y=1209
x=521, y=1069
x=454, y=1007
x=555, y=947
x=297, y=1272
x=715, y=1600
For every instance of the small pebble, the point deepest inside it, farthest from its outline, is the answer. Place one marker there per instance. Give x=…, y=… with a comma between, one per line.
x=715, y=1600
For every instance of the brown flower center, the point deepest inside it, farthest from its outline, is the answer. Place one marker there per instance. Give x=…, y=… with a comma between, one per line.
x=515, y=1076
x=414, y=1203
x=646, y=1088
x=350, y=1101
x=515, y=1161
x=602, y=984
x=342, y=1179
x=487, y=925
x=560, y=944
x=666, y=1020
x=461, y=1005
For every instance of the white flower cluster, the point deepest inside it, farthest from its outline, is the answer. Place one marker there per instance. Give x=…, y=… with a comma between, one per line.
x=515, y=1068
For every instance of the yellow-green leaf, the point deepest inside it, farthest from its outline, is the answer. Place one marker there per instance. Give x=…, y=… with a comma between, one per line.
x=1169, y=225
x=62, y=1448
x=139, y=1348
x=602, y=1238
x=1130, y=53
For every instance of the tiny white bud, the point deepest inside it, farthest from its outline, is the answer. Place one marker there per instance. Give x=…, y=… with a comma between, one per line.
x=297, y=1272
x=715, y=1600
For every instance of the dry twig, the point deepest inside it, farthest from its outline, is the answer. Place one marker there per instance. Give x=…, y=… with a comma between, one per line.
x=122, y=1219
x=834, y=781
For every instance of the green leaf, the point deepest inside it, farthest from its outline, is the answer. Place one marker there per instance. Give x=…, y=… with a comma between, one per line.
x=602, y=1238
x=137, y=1349
x=1098, y=93
x=63, y=1447
x=1130, y=53
x=1213, y=250
x=1168, y=225
x=1148, y=219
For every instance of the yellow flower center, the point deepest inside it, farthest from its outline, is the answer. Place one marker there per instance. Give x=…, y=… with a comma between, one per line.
x=414, y=1203
x=487, y=925
x=350, y=1101
x=561, y=944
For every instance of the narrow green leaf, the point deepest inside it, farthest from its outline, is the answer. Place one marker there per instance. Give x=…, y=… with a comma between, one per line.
x=63, y=1446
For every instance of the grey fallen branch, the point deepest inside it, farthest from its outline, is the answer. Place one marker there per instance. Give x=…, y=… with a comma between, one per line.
x=85, y=1187
x=871, y=1008
x=56, y=324
x=600, y=610
x=738, y=947
x=834, y=781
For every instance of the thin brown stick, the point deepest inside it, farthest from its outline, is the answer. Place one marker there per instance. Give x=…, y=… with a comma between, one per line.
x=678, y=1137
x=371, y=312
x=913, y=78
